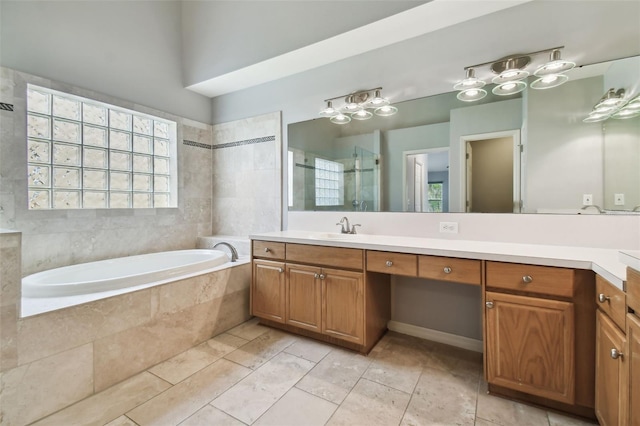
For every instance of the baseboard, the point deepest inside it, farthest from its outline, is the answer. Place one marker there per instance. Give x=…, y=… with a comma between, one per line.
x=436, y=336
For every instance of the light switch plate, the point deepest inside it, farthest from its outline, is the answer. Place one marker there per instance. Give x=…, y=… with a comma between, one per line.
x=618, y=199
x=587, y=199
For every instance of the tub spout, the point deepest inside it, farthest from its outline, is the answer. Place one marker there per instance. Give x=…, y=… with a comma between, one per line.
x=234, y=252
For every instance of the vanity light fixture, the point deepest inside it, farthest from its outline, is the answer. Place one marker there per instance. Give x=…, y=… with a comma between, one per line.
x=510, y=74
x=613, y=105
x=359, y=105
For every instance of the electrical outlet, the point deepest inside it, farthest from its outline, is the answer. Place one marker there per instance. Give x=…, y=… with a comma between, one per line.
x=449, y=227
x=618, y=199
x=587, y=199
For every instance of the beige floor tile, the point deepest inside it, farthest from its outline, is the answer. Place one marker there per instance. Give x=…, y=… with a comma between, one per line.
x=371, y=404
x=297, y=407
x=335, y=376
x=122, y=421
x=209, y=415
x=482, y=422
x=190, y=395
x=309, y=349
x=231, y=340
x=256, y=393
x=441, y=398
x=395, y=369
x=110, y=403
x=459, y=362
x=508, y=413
x=249, y=330
x=183, y=365
x=261, y=349
x=556, y=419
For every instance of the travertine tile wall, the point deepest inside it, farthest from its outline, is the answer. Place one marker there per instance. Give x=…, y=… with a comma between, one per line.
x=56, y=238
x=53, y=360
x=247, y=176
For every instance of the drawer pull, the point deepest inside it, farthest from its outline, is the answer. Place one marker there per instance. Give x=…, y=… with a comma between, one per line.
x=615, y=354
x=389, y=263
x=527, y=279
x=267, y=249
x=489, y=305
x=447, y=270
x=280, y=270
x=602, y=298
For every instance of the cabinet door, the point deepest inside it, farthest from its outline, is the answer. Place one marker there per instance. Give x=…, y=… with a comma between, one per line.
x=343, y=305
x=530, y=345
x=304, y=297
x=268, y=290
x=610, y=371
x=633, y=364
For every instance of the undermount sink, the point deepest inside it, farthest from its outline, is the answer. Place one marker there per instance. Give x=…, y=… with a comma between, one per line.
x=333, y=236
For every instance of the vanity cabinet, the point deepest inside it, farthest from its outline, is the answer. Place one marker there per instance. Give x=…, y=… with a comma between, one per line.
x=321, y=292
x=611, y=403
x=540, y=335
x=633, y=345
x=268, y=290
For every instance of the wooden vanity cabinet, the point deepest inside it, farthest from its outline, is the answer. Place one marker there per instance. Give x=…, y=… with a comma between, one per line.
x=611, y=398
x=540, y=335
x=268, y=290
x=633, y=345
x=323, y=292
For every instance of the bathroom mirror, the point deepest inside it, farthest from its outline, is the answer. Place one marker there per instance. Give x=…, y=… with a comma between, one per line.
x=536, y=150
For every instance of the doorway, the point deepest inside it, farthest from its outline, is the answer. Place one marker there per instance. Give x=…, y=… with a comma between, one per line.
x=492, y=172
x=425, y=181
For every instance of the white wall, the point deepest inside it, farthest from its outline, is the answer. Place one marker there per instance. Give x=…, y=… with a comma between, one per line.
x=127, y=49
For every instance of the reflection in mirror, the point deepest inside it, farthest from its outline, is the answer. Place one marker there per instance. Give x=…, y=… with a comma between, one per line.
x=389, y=163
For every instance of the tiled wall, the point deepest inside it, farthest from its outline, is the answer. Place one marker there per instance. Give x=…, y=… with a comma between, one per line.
x=56, y=238
x=247, y=176
x=52, y=360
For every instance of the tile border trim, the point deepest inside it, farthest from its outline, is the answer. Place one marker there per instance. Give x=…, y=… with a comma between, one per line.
x=271, y=138
x=196, y=144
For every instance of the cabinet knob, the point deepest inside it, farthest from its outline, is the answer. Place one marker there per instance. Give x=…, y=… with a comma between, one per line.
x=527, y=279
x=615, y=354
x=280, y=270
x=389, y=263
x=267, y=249
x=602, y=298
x=447, y=270
x=322, y=276
x=316, y=276
x=489, y=305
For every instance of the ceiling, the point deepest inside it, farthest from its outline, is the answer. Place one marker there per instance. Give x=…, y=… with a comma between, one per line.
x=591, y=31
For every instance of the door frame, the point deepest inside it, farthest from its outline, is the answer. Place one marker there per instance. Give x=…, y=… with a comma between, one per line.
x=405, y=154
x=517, y=164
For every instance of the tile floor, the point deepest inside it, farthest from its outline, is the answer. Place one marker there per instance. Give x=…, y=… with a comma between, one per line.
x=254, y=375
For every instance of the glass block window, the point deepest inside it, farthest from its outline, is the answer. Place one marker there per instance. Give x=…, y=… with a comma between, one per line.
x=329, y=183
x=87, y=154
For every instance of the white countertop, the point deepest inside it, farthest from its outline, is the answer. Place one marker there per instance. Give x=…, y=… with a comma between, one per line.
x=609, y=263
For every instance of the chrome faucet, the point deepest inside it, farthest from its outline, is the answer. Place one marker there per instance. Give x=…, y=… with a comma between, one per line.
x=348, y=229
x=234, y=252
x=592, y=205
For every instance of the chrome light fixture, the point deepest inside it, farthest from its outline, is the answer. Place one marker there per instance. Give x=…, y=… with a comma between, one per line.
x=614, y=105
x=359, y=105
x=510, y=74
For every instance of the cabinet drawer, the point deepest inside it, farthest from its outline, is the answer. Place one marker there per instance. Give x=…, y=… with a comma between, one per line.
x=611, y=301
x=633, y=289
x=268, y=249
x=532, y=279
x=334, y=257
x=465, y=271
x=392, y=263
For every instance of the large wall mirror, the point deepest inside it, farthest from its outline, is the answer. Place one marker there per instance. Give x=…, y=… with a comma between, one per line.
x=526, y=153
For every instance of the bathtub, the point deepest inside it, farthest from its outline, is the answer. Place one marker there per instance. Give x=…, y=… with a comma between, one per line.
x=124, y=272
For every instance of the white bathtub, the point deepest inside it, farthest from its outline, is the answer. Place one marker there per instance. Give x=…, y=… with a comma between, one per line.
x=124, y=272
